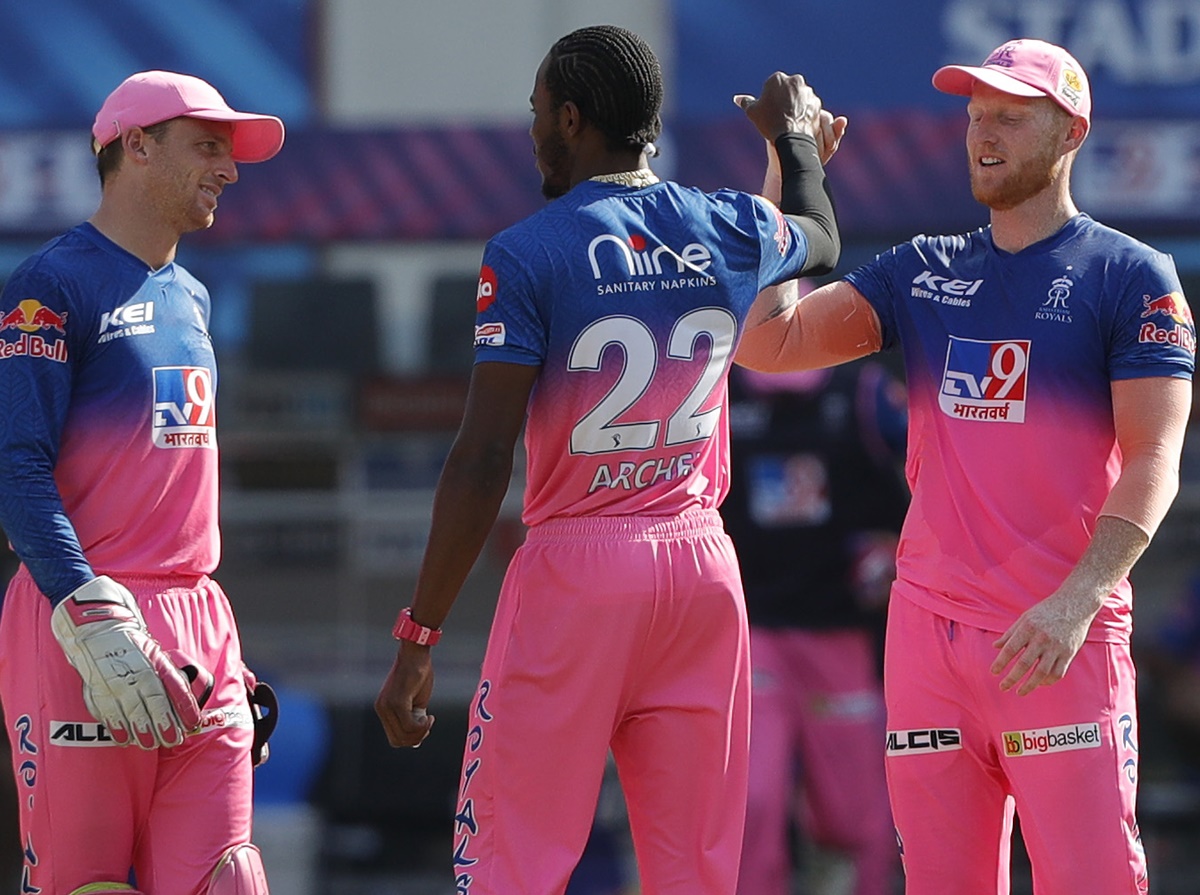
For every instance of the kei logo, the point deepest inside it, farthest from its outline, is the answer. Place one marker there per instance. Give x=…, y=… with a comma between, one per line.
x=985, y=380
x=184, y=408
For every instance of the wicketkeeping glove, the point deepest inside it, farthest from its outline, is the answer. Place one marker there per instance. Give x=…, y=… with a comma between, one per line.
x=129, y=682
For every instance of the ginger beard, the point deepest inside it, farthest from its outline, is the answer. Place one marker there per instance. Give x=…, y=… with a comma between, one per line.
x=1006, y=185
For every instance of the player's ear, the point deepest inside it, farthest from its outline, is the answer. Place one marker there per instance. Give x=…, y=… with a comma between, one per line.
x=570, y=119
x=134, y=141
x=1077, y=132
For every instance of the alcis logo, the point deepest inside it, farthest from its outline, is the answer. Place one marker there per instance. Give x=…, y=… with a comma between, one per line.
x=923, y=741
x=76, y=733
x=636, y=260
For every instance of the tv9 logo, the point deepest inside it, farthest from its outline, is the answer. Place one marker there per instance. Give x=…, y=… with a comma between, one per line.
x=184, y=408
x=985, y=380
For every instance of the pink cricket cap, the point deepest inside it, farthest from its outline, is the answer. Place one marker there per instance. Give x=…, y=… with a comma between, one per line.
x=1025, y=68
x=150, y=97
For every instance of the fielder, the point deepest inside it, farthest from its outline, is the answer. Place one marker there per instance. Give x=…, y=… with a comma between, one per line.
x=606, y=325
x=127, y=703
x=1049, y=362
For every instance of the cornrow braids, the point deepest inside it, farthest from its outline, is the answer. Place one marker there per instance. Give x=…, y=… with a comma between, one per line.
x=614, y=78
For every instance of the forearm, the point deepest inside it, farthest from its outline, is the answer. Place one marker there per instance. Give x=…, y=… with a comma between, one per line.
x=804, y=196
x=1145, y=490
x=1110, y=555
x=466, y=503
x=43, y=538
x=829, y=326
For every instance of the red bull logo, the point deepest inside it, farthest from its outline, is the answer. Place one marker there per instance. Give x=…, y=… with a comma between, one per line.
x=1178, y=330
x=32, y=316
x=1172, y=305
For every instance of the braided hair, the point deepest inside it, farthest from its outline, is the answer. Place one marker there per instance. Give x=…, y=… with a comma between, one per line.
x=614, y=78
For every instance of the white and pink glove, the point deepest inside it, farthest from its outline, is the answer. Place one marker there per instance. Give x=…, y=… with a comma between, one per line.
x=140, y=691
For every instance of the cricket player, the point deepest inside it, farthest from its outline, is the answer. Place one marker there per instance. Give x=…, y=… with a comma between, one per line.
x=1049, y=362
x=121, y=672
x=606, y=326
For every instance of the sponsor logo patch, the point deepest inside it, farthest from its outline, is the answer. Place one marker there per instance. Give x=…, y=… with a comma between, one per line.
x=128, y=320
x=35, y=327
x=184, y=408
x=634, y=258
x=486, y=293
x=1044, y=740
x=489, y=334
x=80, y=733
x=985, y=380
x=923, y=741
x=1178, y=328
x=944, y=290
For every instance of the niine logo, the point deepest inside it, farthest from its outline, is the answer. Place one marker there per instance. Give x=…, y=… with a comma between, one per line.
x=641, y=262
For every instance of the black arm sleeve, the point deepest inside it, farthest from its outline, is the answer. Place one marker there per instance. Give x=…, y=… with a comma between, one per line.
x=805, y=198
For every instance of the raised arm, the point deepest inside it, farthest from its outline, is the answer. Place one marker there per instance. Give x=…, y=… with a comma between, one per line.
x=803, y=136
x=828, y=326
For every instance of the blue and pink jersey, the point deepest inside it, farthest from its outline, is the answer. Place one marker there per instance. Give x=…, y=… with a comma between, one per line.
x=631, y=301
x=108, y=452
x=1009, y=360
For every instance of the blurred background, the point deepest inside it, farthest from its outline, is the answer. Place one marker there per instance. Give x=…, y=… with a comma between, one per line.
x=343, y=274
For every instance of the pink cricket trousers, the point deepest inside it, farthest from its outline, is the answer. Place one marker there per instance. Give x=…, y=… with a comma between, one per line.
x=962, y=754
x=91, y=811
x=621, y=633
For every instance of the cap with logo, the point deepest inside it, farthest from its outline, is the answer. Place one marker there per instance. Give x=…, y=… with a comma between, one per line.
x=1025, y=68
x=150, y=97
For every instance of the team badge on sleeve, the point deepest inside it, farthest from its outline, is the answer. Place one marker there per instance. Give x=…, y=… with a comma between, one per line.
x=490, y=335
x=184, y=408
x=985, y=380
x=33, y=330
x=486, y=293
x=1170, y=322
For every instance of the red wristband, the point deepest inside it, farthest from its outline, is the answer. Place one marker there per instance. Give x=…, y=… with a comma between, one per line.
x=407, y=629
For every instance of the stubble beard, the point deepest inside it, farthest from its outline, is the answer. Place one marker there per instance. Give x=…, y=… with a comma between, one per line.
x=1027, y=180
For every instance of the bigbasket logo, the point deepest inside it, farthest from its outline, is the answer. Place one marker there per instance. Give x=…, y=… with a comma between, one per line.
x=1051, y=739
x=923, y=741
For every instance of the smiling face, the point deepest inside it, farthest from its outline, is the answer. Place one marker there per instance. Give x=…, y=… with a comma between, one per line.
x=192, y=164
x=1016, y=146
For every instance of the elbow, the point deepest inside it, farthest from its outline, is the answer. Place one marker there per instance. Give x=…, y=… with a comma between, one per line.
x=824, y=246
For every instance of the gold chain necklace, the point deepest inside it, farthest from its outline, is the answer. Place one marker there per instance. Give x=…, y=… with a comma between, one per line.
x=639, y=178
